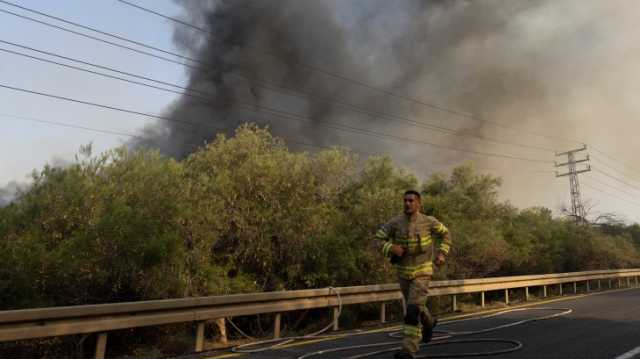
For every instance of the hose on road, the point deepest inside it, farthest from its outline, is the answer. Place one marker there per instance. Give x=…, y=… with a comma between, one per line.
x=278, y=342
x=444, y=337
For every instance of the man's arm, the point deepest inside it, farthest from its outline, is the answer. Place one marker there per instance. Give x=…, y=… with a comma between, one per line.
x=383, y=241
x=442, y=241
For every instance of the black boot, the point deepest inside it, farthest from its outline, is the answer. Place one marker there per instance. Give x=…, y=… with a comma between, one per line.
x=403, y=354
x=427, y=329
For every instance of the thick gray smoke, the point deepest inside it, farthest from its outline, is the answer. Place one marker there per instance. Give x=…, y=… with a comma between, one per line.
x=9, y=192
x=542, y=66
x=248, y=64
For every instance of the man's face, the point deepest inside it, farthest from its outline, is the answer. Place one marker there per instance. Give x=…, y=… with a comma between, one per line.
x=411, y=204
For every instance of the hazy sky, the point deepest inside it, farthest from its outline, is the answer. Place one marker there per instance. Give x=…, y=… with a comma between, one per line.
x=27, y=145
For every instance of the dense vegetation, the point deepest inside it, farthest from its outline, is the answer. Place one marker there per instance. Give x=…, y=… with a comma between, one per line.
x=246, y=214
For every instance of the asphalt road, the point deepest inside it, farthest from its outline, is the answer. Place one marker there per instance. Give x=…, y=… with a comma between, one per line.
x=603, y=325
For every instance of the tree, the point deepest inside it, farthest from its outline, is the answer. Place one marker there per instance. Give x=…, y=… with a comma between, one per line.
x=99, y=230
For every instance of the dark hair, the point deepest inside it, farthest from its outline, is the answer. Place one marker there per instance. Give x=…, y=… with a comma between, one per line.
x=413, y=192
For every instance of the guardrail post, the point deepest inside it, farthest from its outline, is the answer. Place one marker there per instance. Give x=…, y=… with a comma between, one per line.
x=482, y=299
x=276, y=326
x=526, y=293
x=222, y=330
x=575, y=288
x=628, y=282
x=588, y=288
x=619, y=282
x=383, y=313
x=454, y=303
x=560, y=286
x=506, y=296
x=101, y=346
x=544, y=291
x=599, y=284
x=200, y=337
x=335, y=318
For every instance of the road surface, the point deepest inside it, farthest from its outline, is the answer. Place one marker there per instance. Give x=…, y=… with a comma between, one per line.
x=601, y=325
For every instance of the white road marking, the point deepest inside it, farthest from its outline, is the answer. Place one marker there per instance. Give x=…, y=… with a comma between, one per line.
x=630, y=354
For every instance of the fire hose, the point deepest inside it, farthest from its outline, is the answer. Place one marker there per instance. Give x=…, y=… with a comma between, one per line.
x=444, y=337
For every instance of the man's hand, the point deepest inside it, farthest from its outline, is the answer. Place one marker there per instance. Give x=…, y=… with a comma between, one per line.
x=397, y=250
x=439, y=260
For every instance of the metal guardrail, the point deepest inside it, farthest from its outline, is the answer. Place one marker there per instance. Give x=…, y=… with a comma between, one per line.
x=101, y=318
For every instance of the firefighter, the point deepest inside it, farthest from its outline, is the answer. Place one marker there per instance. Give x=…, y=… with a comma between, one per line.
x=415, y=243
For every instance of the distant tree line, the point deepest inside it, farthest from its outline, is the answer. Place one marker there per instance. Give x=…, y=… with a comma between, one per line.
x=245, y=214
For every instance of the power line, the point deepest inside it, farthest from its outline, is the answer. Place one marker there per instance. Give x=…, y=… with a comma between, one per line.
x=119, y=133
x=612, y=158
x=33, y=11
x=272, y=87
x=67, y=125
x=120, y=78
x=110, y=132
x=605, y=164
x=167, y=17
x=108, y=107
x=500, y=170
x=612, y=187
x=93, y=37
x=611, y=195
x=89, y=71
x=290, y=115
x=99, y=66
x=126, y=134
x=381, y=115
x=616, y=179
x=396, y=138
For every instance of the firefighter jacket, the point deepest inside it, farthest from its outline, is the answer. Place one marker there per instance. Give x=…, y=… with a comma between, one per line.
x=423, y=238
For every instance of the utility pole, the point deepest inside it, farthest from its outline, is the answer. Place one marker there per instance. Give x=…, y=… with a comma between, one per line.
x=577, y=208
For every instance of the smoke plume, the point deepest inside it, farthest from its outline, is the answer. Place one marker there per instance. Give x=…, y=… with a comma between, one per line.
x=556, y=68
x=9, y=192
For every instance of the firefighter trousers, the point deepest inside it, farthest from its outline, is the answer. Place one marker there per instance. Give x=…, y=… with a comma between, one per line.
x=415, y=293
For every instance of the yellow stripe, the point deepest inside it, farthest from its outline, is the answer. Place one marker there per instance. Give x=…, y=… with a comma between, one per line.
x=411, y=331
x=425, y=241
x=414, y=271
x=386, y=248
x=406, y=241
x=416, y=267
x=445, y=248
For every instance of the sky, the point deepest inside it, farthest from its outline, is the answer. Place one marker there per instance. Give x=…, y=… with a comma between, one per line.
x=27, y=145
